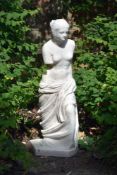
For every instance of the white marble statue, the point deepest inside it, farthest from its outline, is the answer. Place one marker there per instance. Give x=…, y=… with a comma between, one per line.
x=58, y=108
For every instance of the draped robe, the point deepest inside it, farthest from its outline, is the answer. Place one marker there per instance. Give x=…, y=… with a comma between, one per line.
x=59, y=131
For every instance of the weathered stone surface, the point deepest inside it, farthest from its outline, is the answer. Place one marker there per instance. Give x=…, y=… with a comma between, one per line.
x=58, y=107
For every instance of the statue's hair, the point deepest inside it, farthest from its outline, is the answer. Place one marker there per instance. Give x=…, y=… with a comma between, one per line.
x=58, y=23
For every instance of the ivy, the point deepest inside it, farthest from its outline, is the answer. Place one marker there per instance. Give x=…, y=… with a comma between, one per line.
x=95, y=71
x=19, y=78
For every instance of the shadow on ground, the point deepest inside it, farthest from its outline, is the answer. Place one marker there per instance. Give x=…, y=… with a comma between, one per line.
x=83, y=163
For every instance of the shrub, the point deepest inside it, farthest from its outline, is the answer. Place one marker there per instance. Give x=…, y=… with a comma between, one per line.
x=19, y=77
x=96, y=77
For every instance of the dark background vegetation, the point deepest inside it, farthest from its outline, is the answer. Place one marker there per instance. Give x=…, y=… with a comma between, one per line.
x=24, y=27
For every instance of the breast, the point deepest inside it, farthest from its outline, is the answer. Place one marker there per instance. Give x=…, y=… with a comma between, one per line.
x=62, y=57
x=56, y=58
x=68, y=56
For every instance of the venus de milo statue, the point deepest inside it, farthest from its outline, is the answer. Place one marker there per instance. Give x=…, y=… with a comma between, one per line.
x=58, y=109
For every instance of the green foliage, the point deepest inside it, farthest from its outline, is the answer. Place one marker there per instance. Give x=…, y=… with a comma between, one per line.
x=85, y=10
x=108, y=144
x=87, y=143
x=19, y=77
x=96, y=77
x=94, y=70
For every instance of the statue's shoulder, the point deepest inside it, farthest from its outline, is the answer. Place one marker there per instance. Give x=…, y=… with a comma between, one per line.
x=47, y=45
x=71, y=43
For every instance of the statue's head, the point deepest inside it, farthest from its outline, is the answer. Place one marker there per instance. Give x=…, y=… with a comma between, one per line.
x=58, y=24
x=59, y=29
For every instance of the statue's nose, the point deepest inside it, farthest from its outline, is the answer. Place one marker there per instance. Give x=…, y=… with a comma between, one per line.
x=65, y=35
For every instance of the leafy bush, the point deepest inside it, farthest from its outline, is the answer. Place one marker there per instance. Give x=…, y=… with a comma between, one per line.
x=96, y=77
x=19, y=76
x=84, y=11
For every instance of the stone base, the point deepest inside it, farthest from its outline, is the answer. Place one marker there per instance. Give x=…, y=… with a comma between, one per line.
x=42, y=148
x=56, y=153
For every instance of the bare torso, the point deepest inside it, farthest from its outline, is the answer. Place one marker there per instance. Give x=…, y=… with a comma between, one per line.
x=59, y=59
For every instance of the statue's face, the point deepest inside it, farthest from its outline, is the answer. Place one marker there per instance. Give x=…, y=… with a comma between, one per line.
x=60, y=34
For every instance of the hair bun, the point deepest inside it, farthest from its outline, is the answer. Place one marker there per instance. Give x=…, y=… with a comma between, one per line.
x=58, y=23
x=51, y=23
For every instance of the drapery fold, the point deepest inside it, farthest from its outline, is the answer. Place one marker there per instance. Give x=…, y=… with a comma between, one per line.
x=60, y=91
x=59, y=128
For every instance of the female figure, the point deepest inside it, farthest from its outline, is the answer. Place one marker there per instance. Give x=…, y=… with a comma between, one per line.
x=58, y=107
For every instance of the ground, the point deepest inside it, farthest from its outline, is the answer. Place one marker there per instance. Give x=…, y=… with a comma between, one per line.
x=83, y=163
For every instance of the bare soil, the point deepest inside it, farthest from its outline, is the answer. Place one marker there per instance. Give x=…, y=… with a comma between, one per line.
x=83, y=163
